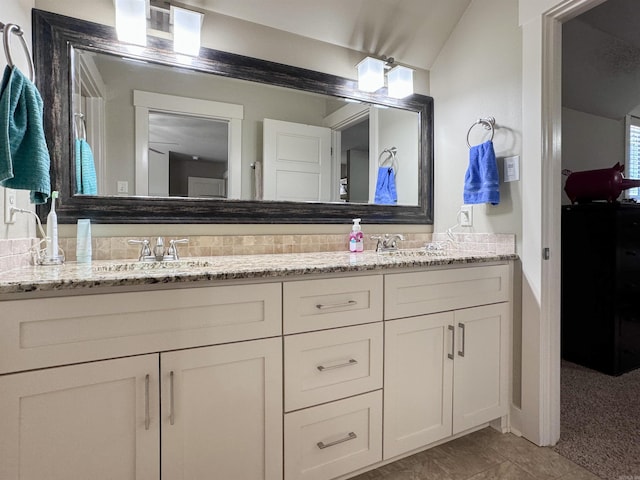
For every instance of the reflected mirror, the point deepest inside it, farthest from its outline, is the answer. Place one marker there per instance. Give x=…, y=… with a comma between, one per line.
x=224, y=138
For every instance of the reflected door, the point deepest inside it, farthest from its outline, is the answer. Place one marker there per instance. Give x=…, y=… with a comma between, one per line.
x=297, y=162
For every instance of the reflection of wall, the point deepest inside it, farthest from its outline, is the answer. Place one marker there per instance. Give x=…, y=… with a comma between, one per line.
x=181, y=167
x=399, y=129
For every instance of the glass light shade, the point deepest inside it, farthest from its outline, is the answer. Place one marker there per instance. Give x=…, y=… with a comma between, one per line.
x=400, y=82
x=131, y=21
x=370, y=74
x=186, y=31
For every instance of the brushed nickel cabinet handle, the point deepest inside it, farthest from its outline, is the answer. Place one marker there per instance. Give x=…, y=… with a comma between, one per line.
x=172, y=415
x=453, y=342
x=323, y=306
x=461, y=351
x=352, y=361
x=147, y=417
x=350, y=436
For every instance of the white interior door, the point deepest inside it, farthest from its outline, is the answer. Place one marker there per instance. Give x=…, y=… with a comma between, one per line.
x=297, y=162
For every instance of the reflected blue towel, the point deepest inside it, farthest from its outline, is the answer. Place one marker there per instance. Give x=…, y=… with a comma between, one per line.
x=86, y=182
x=481, y=182
x=24, y=157
x=386, y=187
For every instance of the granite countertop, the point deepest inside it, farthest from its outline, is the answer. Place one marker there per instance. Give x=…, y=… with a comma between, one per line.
x=72, y=276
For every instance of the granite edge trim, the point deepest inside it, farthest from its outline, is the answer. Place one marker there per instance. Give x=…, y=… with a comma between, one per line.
x=200, y=275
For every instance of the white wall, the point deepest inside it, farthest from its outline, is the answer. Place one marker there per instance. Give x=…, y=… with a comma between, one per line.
x=590, y=142
x=478, y=74
x=18, y=12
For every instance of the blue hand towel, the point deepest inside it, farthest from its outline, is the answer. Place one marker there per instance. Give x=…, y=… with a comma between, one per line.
x=481, y=182
x=86, y=182
x=386, y=187
x=24, y=157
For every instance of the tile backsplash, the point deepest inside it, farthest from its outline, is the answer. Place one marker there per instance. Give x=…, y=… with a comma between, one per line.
x=15, y=252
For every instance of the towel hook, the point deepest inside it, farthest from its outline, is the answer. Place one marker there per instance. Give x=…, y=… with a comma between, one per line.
x=488, y=123
x=391, y=157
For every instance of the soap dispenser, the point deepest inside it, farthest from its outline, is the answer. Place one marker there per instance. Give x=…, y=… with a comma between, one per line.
x=356, y=238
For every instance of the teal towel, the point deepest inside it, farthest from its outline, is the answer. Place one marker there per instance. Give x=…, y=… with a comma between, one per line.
x=24, y=157
x=86, y=182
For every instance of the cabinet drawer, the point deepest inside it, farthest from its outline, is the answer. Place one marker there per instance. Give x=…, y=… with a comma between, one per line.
x=333, y=439
x=337, y=302
x=55, y=331
x=410, y=294
x=324, y=366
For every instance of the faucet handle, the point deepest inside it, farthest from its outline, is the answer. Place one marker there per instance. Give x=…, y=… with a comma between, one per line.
x=145, y=249
x=172, y=251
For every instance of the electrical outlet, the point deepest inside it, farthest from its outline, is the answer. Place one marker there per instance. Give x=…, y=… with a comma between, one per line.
x=466, y=216
x=10, y=201
x=123, y=186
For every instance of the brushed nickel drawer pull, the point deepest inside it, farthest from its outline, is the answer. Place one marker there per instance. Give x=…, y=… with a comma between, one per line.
x=350, y=436
x=461, y=326
x=172, y=415
x=352, y=361
x=323, y=306
x=147, y=417
x=453, y=342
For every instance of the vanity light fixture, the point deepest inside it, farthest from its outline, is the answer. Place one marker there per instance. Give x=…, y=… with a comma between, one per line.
x=131, y=21
x=371, y=77
x=370, y=74
x=400, y=82
x=186, y=31
x=137, y=18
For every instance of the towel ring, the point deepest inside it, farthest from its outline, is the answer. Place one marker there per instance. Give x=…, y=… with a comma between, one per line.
x=489, y=123
x=80, y=133
x=7, y=30
x=391, y=157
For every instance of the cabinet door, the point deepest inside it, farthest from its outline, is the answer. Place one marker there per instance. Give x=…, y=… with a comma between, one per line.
x=222, y=412
x=481, y=366
x=97, y=420
x=417, y=382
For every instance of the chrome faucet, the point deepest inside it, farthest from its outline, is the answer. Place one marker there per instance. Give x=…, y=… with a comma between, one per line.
x=145, y=250
x=158, y=250
x=387, y=242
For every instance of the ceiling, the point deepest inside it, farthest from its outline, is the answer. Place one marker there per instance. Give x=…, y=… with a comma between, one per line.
x=411, y=31
x=601, y=60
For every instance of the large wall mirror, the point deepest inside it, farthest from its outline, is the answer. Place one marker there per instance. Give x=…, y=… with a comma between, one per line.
x=220, y=138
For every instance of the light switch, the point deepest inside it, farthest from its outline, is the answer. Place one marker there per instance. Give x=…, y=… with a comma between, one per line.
x=512, y=168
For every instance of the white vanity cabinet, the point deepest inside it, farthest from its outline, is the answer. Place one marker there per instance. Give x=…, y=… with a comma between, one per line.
x=445, y=372
x=206, y=408
x=333, y=365
x=95, y=420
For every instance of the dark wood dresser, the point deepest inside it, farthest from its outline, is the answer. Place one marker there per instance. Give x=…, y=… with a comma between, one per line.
x=601, y=286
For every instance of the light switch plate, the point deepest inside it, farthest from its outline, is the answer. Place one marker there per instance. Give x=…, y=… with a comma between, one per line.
x=10, y=201
x=512, y=168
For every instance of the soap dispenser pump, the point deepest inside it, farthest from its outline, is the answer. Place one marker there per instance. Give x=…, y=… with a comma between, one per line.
x=356, y=238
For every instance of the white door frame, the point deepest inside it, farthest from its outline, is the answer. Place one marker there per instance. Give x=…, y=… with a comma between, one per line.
x=541, y=23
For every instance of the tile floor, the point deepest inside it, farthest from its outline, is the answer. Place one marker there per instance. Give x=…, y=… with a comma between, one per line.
x=482, y=455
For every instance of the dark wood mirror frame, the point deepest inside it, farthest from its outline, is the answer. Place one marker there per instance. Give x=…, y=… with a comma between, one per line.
x=54, y=37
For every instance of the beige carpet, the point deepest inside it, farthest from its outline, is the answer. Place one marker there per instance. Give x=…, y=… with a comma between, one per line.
x=600, y=421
